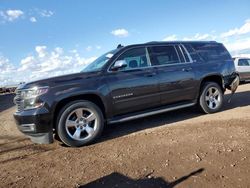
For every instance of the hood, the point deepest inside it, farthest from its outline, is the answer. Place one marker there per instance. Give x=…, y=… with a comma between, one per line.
x=59, y=80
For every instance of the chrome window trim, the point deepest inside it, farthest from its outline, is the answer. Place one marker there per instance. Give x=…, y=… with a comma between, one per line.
x=148, y=57
x=151, y=66
x=177, y=54
x=189, y=56
x=182, y=53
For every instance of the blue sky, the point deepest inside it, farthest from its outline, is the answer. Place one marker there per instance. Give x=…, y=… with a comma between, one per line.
x=46, y=38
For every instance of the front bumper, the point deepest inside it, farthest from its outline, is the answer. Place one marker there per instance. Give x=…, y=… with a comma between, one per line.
x=36, y=123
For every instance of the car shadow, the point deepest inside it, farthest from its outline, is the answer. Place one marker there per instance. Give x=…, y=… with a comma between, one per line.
x=6, y=101
x=119, y=180
x=111, y=131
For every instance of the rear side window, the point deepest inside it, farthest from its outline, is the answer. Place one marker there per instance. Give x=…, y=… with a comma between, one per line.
x=244, y=62
x=211, y=51
x=192, y=53
x=163, y=55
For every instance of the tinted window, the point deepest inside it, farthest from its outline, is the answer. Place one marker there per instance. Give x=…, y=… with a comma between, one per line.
x=163, y=55
x=211, y=51
x=192, y=53
x=99, y=62
x=135, y=58
x=244, y=62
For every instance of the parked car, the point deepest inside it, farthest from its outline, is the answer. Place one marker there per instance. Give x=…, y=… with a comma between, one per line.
x=242, y=66
x=124, y=84
x=2, y=90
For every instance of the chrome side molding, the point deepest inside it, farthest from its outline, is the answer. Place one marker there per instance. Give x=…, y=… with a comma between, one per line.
x=151, y=113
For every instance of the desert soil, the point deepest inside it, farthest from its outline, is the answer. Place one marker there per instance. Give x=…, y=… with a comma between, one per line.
x=184, y=148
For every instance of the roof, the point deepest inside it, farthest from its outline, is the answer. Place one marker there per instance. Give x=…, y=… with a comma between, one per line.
x=171, y=42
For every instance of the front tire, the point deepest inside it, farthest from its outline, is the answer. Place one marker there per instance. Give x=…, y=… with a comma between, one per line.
x=79, y=123
x=211, y=98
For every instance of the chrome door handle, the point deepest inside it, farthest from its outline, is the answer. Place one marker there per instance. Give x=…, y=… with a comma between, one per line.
x=186, y=69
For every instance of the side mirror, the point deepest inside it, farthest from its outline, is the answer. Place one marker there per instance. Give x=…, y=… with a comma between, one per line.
x=119, y=64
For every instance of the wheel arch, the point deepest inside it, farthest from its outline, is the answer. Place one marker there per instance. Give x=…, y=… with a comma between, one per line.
x=96, y=99
x=213, y=78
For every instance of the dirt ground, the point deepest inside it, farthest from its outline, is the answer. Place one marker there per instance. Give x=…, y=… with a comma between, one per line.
x=178, y=149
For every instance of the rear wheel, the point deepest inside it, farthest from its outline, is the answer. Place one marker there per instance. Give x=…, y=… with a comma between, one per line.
x=80, y=123
x=211, y=98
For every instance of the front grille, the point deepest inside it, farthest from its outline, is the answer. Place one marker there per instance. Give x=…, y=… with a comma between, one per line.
x=19, y=101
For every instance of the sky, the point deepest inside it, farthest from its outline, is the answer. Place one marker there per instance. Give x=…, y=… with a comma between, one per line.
x=40, y=39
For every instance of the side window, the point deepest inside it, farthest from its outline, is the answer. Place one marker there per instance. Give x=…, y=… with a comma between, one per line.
x=163, y=55
x=244, y=62
x=135, y=58
x=210, y=51
x=193, y=53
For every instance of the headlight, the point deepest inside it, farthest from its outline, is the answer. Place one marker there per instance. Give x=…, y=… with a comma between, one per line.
x=29, y=97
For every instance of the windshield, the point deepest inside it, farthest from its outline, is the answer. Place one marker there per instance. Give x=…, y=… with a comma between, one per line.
x=99, y=62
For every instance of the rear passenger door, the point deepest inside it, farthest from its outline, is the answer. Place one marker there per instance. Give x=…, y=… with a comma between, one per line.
x=175, y=73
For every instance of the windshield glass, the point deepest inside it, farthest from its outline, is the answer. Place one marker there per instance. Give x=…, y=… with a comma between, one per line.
x=99, y=62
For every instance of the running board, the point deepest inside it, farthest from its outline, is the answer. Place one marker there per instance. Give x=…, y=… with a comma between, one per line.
x=123, y=119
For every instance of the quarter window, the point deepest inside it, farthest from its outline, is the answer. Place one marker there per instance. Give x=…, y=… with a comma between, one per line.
x=163, y=55
x=211, y=51
x=244, y=62
x=135, y=58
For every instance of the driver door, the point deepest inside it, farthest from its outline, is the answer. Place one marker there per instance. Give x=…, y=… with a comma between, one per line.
x=135, y=86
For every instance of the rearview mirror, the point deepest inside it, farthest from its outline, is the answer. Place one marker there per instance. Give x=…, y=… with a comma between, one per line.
x=119, y=64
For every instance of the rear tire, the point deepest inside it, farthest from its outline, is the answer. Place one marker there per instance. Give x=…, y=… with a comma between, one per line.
x=211, y=98
x=79, y=123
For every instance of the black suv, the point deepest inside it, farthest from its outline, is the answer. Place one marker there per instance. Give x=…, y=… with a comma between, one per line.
x=124, y=84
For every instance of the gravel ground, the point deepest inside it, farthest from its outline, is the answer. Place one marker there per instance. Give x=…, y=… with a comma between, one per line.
x=177, y=149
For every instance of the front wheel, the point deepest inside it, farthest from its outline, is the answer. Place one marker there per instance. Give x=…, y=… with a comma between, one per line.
x=79, y=123
x=211, y=98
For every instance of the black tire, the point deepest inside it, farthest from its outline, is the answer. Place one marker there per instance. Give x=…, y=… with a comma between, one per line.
x=68, y=111
x=210, y=106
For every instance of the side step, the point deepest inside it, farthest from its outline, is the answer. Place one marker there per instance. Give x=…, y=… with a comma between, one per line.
x=148, y=113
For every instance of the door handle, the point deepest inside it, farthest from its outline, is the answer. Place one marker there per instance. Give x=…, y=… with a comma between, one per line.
x=186, y=69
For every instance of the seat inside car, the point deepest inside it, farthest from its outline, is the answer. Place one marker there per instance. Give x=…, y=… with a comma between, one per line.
x=133, y=64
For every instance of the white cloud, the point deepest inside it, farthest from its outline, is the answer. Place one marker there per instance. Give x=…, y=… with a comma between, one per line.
x=7, y=71
x=236, y=46
x=41, y=50
x=43, y=63
x=33, y=19
x=120, y=32
x=236, y=40
x=199, y=36
x=89, y=48
x=46, y=13
x=170, y=38
x=244, y=29
x=5, y=65
x=11, y=15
